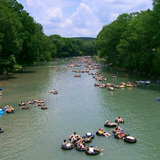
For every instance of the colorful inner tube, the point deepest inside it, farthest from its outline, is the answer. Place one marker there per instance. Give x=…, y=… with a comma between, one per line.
x=4, y=109
x=66, y=148
x=130, y=139
x=1, y=112
x=109, y=125
x=92, y=153
x=111, y=88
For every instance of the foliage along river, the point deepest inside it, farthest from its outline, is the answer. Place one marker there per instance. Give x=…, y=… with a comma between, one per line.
x=36, y=134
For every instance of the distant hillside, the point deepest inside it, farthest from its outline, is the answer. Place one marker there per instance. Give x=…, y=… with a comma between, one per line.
x=85, y=38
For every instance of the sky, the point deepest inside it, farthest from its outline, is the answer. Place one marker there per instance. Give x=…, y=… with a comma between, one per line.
x=79, y=18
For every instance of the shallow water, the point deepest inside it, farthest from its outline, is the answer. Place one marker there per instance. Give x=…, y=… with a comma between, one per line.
x=37, y=134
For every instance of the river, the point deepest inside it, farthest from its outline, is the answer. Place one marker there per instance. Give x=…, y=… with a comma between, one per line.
x=36, y=134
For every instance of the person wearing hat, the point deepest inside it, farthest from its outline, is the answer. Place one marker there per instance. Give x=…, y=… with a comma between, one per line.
x=92, y=149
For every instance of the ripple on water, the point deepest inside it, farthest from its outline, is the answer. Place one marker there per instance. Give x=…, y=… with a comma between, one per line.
x=81, y=107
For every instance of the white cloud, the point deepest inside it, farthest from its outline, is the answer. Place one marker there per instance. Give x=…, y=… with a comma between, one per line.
x=67, y=24
x=54, y=14
x=82, y=15
x=79, y=17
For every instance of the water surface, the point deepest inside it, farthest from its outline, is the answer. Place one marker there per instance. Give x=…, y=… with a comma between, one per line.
x=37, y=134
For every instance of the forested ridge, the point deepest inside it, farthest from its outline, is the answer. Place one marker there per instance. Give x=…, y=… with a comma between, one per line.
x=132, y=41
x=23, y=42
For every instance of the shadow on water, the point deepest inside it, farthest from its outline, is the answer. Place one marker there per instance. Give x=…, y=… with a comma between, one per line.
x=7, y=78
x=21, y=72
x=12, y=75
x=131, y=78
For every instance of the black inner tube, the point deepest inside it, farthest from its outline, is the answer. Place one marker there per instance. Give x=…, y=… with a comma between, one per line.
x=92, y=153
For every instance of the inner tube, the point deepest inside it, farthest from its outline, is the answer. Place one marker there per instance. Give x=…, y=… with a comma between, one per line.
x=86, y=141
x=111, y=88
x=44, y=108
x=110, y=125
x=158, y=99
x=88, y=134
x=1, y=131
x=4, y=109
x=115, y=135
x=9, y=112
x=1, y=112
x=92, y=153
x=25, y=107
x=66, y=148
x=114, y=131
x=80, y=149
x=122, y=121
x=130, y=139
x=97, y=133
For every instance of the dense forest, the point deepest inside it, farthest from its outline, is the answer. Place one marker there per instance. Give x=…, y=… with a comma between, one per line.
x=132, y=41
x=23, y=42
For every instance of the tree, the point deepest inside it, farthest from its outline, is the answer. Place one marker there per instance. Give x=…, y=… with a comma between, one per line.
x=10, y=42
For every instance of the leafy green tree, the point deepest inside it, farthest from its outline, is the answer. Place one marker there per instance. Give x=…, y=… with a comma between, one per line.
x=10, y=42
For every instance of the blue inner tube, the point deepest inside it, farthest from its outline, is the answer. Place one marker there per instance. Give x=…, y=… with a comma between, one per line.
x=4, y=109
x=1, y=88
x=66, y=148
x=1, y=112
x=130, y=139
x=110, y=125
x=158, y=99
x=92, y=153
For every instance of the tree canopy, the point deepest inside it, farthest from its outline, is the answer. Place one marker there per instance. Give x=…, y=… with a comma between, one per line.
x=23, y=41
x=132, y=41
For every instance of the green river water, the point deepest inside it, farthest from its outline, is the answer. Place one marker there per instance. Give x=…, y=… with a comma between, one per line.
x=36, y=134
